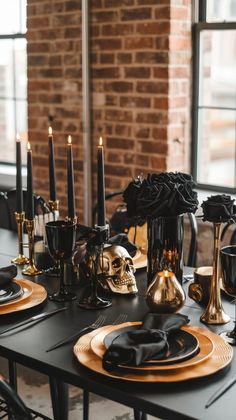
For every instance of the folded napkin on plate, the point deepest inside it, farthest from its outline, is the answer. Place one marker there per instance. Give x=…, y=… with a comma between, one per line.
x=149, y=342
x=7, y=274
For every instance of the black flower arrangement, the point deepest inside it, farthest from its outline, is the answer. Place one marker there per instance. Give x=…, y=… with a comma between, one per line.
x=219, y=208
x=164, y=194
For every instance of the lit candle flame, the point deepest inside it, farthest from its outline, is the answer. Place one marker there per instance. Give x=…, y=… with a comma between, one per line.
x=50, y=131
x=100, y=141
x=69, y=140
x=17, y=137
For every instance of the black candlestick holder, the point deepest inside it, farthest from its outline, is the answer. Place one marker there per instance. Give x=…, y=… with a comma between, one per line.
x=96, y=245
x=21, y=259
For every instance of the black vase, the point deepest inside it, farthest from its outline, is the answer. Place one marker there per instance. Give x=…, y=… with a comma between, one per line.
x=165, y=246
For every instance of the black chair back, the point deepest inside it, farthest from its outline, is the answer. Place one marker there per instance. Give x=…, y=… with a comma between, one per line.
x=14, y=406
x=5, y=217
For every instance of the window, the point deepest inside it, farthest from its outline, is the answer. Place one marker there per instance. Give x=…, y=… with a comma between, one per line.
x=13, y=78
x=214, y=95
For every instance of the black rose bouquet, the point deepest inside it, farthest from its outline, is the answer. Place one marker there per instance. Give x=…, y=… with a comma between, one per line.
x=164, y=194
x=219, y=208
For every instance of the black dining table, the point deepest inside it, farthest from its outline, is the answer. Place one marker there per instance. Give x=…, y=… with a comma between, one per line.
x=27, y=346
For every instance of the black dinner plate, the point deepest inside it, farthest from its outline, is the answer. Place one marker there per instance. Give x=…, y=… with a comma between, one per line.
x=12, y=291
x=182, y=345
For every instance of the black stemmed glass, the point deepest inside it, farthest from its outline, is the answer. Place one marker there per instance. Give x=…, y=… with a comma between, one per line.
x=61, y=241
x=228, y=268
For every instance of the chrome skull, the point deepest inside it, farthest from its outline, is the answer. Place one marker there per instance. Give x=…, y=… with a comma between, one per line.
x=117, y=270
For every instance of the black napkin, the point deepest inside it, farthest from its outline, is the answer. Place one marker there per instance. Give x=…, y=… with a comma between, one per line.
x=7, y=274
x=122, y=239
x=149, y=342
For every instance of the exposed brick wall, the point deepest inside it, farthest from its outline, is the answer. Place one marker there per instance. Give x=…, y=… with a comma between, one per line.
x=140, y=83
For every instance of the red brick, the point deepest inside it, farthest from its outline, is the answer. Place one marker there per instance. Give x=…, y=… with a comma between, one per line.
x=119, y=143
x=152, y=87
x=133, y=43
x=137, y=72
x=154, y=28
x=152, y=57
x=134, y=102
x=118, y=29
x=136, y=14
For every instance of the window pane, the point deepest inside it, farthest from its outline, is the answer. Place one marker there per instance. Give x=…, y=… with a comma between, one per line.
x=218, y=68
x=6, y=68
x=20, y=69
x=12, y=120
x=12, y=16
x=216, y=147
x=221, y=10
x=7, y=131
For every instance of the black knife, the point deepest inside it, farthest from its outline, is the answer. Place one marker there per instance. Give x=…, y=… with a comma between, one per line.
x=38, y=318
x=221, y=391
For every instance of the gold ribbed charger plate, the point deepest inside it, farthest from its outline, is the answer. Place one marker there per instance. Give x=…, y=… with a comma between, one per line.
x=220, y=357
x=34, y=294
x=140, y=259
x=205, y=344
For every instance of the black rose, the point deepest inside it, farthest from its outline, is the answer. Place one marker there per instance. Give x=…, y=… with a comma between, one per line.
x=130, y=196
x=218, y=208
x=164, y=194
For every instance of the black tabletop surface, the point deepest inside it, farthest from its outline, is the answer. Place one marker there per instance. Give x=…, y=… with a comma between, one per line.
x=185, y=400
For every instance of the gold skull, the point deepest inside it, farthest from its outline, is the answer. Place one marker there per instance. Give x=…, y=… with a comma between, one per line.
x=118, y=270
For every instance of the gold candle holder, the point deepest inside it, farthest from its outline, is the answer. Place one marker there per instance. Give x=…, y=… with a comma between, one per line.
x=72, y=219
x=21, y=259
x=31, y=270
x=214, y=313
x=54, y=205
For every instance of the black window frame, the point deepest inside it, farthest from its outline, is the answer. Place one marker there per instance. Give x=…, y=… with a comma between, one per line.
x=200, y=24
x=14, y=98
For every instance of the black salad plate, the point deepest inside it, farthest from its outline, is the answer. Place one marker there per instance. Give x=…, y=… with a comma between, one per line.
x=11, y=291
x=182, y=345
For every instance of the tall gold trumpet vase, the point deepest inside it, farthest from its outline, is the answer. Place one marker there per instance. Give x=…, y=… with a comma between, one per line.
x=214, y=313
x=21, y=259
x=31, y=270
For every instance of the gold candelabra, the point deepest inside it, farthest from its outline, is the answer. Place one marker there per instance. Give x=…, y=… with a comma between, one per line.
x=21, y=259
x=31, y=270
x=214, y=313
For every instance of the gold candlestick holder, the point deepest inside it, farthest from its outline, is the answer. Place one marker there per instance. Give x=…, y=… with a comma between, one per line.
x=72, y=219
x=214, y=313
x=21, y=259
x=31, y=270
x=54, y=205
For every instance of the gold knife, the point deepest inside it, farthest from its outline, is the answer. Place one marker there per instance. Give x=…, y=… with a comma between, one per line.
x=38, y=318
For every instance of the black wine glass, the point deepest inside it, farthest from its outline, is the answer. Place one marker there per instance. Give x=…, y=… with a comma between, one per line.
x=228, y=268
x=61, y=241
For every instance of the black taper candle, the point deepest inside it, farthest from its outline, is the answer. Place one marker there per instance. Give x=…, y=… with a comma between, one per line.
x=30, y=198
x=101, y=185
x=19, y=192
x=52, y=178
x=70, y=180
